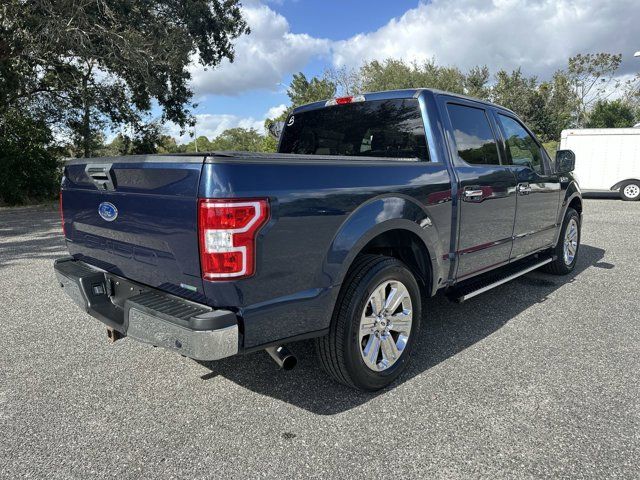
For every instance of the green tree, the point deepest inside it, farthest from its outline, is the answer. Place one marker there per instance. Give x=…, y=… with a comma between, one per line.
x=28, y=165
x=610, y=114
x=547, y=107
x=449, y=79
x=120, y=145
x=269, y=143
x=516, y=92
x=201, y=144
x=85, y=65
x=302, y=91
x=145, y=139
x=167, y=144
x=592, y=78
x=631, y=96
x=393, y=74
x=476, y=83
x=347, y=80
x=233, y=139
x=560, y=103
x=387, y=75
x=239, y=139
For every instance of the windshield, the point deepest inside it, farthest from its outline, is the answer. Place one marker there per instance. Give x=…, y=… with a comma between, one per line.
x=379, y=128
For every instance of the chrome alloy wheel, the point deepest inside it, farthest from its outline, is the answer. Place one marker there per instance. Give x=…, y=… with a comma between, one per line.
x=631, y=191
x=570, y=241
x=385, y=325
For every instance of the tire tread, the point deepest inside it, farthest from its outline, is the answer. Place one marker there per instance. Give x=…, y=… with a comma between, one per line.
x=558, y=267
x=330, y=347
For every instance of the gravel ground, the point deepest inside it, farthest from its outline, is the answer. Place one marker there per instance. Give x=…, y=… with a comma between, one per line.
x=537, y=378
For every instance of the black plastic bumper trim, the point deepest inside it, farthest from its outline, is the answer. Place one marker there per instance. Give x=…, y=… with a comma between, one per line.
x=116, y=296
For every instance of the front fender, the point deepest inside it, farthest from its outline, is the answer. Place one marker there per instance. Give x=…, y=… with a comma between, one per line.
x=572, y=191
x=379, y=215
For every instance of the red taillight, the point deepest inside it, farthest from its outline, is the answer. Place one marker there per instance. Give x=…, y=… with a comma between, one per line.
x=64, y=233
x=227, y=231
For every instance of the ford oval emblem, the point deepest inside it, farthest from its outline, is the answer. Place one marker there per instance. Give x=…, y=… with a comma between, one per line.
x=108, y=211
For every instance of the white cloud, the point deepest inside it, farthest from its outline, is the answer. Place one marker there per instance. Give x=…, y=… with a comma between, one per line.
x=538, y=35
x=276, y=111
x=262, y=58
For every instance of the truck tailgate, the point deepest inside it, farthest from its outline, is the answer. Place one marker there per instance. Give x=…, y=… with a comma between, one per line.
x=136, y=217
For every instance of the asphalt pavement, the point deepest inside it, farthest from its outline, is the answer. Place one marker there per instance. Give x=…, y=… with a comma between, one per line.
x=539, y=378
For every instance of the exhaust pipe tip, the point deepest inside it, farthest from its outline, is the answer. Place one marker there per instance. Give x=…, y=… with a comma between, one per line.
x=283, y=357
x=289, y=363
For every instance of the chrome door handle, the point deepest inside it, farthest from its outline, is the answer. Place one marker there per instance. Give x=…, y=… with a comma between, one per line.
x=524, y=188
x=473, y=193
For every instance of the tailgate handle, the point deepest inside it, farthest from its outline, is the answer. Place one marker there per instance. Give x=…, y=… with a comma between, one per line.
x=101, y=176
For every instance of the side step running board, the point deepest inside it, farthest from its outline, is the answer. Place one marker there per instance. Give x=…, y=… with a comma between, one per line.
x=480, y=286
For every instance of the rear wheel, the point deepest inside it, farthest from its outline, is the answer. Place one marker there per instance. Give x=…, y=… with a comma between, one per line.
x=375, y=324
x=566, y=251
x=630, y=191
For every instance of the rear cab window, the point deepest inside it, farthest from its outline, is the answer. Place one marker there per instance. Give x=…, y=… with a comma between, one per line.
x=374, y=128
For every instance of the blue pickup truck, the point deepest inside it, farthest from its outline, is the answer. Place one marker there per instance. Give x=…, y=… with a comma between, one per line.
x=373, y=204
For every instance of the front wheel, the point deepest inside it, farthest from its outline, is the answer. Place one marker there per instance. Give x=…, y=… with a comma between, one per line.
x=630, y=191
x=566, y=251
x=374, y=326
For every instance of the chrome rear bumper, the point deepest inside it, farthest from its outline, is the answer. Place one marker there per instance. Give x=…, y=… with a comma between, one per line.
x=150, y=315
x=197, y=344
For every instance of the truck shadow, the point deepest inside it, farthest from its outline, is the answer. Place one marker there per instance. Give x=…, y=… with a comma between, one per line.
x=602, y=195
x=447, y=329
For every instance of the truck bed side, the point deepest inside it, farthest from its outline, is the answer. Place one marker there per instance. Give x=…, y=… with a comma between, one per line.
x=324, y=211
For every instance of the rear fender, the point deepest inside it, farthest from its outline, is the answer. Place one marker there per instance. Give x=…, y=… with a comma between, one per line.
x=380, y=215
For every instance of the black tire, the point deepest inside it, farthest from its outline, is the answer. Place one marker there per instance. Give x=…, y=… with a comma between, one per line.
x=560, y=266
x=630, y=191
x=340, y=351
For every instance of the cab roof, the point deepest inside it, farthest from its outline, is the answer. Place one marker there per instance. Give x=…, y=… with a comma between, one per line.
x=401, y=93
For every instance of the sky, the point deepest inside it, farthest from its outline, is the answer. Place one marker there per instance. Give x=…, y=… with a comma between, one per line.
x=309, y=36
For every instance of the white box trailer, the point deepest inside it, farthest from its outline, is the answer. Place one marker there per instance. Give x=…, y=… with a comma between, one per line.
x=607, y=159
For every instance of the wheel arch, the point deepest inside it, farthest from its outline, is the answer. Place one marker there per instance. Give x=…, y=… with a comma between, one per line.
x=576, y=204
x=407, y=247
x=395, y=226
x=572, y=199
x=618, y=185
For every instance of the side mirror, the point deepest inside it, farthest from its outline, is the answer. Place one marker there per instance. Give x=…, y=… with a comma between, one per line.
x=275, y=129
x=565, y=161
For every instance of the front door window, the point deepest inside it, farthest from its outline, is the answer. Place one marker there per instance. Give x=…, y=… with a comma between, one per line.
x=522, y=149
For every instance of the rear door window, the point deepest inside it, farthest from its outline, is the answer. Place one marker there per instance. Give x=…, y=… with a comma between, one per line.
x=475, y=141
x=375, y=128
